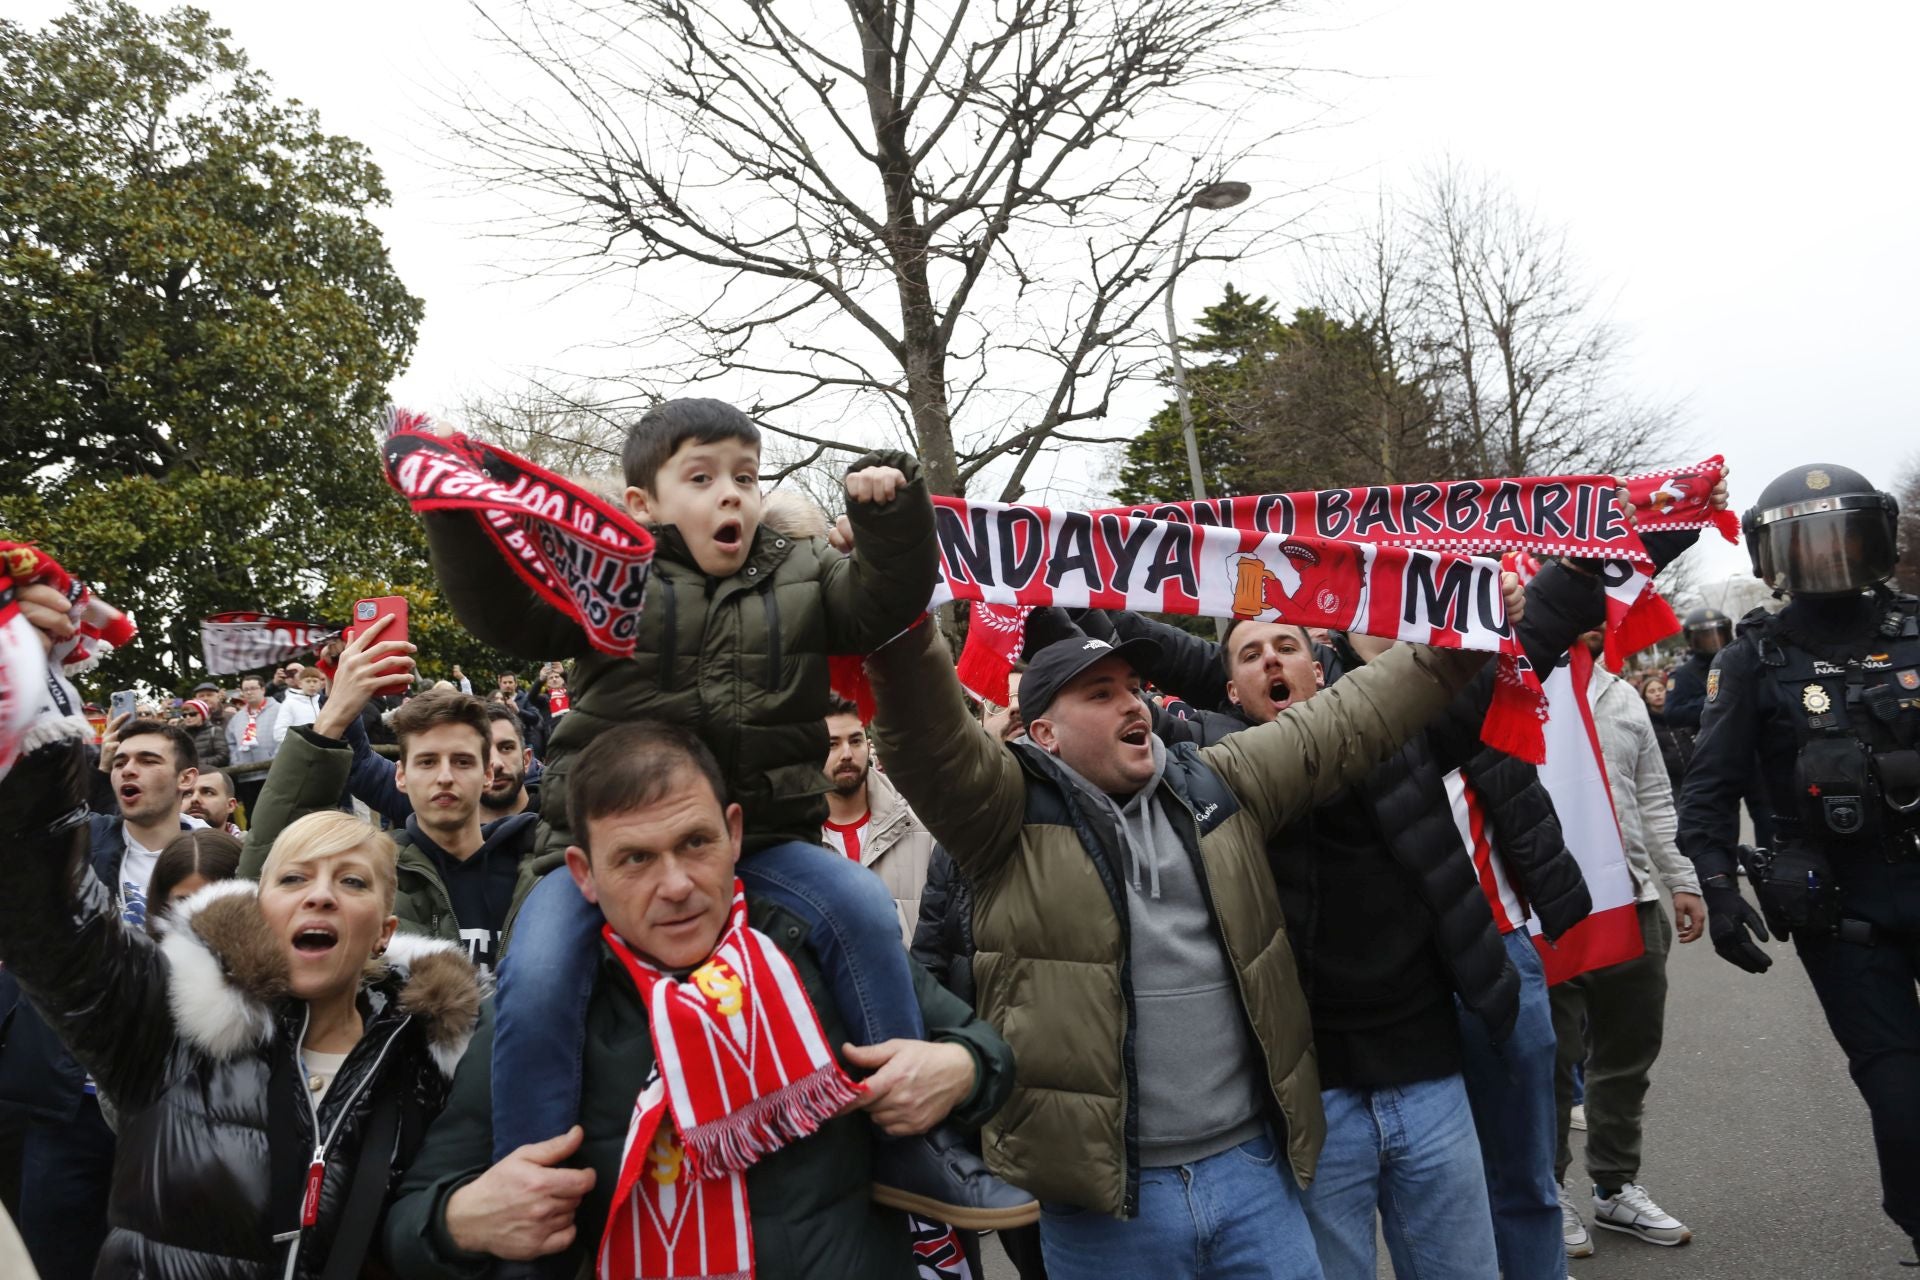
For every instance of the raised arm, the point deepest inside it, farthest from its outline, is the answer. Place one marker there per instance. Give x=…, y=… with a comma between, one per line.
x=966, y=787
x=489, y=598
x=100, y=985
x=1313, y=749
x=1188, y=667
x=883, y=586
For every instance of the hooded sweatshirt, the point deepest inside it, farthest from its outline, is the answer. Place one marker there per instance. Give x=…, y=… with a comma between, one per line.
x=481, y=886
x=1200, y=1075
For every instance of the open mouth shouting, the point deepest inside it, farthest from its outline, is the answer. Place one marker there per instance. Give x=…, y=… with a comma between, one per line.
x=316, y=938
x=727, y=538
x=1281, y=696
x=1135, y=733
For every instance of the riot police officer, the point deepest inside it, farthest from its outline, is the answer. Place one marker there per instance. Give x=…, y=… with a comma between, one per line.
x=1829, y=689
x=1707, y=632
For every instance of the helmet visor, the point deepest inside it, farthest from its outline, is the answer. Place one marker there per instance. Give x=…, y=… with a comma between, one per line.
x=1710, y=637
x=1828, y=552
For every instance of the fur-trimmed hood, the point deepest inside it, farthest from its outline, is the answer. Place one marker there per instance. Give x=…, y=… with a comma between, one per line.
x=229, y=975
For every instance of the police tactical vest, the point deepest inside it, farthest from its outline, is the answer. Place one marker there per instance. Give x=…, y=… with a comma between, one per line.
x=1856, y=712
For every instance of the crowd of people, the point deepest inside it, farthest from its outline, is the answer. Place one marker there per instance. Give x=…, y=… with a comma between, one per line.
x=1190, y=958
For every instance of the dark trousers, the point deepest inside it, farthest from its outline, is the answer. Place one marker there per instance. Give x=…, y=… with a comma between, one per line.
x=1023, y=1250
x=1868, y=992
x=66, y=1174
x=1614, y=1020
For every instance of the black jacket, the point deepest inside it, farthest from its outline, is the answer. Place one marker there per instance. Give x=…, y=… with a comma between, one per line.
x=943, y=936
x=38, y=1077
x=195, y=1043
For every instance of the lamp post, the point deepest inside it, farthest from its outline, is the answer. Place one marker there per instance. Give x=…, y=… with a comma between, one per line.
x=1215, y=195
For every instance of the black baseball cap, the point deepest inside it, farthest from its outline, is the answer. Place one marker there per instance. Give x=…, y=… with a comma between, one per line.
x=206, y=685
x=1054, y=667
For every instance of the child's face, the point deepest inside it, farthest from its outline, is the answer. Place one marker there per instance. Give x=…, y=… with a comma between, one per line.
x=711, y=493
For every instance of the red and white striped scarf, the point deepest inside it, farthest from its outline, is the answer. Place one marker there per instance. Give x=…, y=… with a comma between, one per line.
x=743, y=1068
x=35, y=690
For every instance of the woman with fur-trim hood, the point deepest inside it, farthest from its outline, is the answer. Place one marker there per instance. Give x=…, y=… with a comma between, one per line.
x=275, y=1059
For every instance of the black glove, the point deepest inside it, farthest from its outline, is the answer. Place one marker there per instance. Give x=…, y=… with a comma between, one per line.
x=1729, y=916
x=1047, y=626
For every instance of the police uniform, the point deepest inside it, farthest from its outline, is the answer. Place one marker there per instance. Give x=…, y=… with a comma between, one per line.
x=1828, y=690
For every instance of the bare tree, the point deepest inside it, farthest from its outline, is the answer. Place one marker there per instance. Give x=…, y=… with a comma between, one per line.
x=568, y=429
x=1481, y=307
x=947, y=216
x=1529, y=360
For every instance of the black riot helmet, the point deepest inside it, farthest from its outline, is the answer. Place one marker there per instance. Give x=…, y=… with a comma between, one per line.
x=1708, y=631
x=1822, y=530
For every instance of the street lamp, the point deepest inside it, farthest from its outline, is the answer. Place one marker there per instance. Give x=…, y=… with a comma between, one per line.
x=1215, y=195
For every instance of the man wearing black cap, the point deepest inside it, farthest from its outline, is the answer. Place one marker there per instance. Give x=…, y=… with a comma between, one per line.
x=1130, y=943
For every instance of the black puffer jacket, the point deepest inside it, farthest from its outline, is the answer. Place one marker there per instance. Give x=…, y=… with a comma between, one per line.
x=194, y=1040
x=943, y=936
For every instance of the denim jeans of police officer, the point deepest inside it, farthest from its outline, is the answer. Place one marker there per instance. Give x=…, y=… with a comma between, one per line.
x=547, y=977
x=1408, y=1153
x=1867, y=991
x=1234, y=1216
x=1511, y=1088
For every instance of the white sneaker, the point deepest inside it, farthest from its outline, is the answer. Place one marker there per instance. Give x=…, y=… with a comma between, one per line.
x=1577, y=1119
x=1574, y=1231
x=1632, y=1210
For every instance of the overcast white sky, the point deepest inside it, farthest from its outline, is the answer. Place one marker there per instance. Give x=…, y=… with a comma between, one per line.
x=1739, y=175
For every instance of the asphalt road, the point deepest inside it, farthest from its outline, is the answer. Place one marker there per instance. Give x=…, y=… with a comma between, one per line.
x=1755, y=1138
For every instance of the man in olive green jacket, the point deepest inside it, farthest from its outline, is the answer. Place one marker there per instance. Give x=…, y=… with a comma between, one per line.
x=1131, y=946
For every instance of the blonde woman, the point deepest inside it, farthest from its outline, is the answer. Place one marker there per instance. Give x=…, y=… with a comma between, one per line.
x=275, y=1058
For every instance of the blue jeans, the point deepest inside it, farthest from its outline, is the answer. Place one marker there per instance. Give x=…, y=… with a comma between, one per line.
x=1231, y=1216
x=546, y=978
x=1511, y=1088
x=1408, y=1152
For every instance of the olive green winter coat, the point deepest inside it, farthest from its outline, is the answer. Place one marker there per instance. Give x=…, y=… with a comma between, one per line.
x=1051, y=968
x=741, y=660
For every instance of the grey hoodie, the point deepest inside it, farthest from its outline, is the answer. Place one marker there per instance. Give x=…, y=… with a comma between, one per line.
x=1200, y=1075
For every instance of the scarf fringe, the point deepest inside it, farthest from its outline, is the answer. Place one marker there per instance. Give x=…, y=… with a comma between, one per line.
x=738, y=1140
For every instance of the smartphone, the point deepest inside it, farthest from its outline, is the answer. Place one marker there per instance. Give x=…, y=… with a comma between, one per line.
x=372, y=610
x=123, y=703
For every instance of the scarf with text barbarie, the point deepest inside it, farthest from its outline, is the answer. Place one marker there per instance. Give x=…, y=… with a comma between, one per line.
x=581, y=554
x=1402, y=561
x=742, y=1069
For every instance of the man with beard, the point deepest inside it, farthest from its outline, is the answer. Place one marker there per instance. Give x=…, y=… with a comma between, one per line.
x=460, y=876
x=509, y=791
x=866, y=818
x=211, y=800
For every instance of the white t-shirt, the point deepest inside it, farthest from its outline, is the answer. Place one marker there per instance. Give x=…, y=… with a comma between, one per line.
x=136, y=873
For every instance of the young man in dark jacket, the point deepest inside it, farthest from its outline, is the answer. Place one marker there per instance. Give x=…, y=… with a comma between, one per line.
x=657, y=856
x=1508, y=1061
